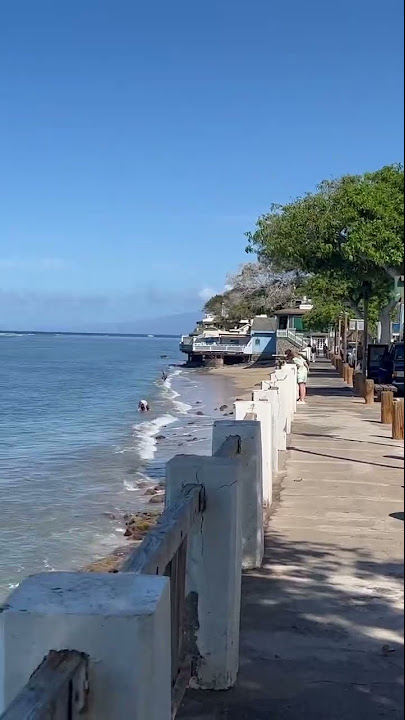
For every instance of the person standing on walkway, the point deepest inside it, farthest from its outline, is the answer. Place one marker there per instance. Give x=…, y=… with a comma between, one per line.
x=302, y=373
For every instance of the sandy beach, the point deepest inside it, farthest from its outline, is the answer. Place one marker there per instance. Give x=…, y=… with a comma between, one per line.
x=243, y=378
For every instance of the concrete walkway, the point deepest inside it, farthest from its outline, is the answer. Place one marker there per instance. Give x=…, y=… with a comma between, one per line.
x=322, y=622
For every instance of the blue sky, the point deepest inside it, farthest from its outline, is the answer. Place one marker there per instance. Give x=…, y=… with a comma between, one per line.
x=140, y=140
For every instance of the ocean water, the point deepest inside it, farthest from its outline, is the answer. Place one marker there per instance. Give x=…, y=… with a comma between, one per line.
x=74, y=451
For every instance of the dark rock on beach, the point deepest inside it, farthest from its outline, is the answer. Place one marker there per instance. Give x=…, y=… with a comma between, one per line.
x=160, y=437
x=199, y=413
x=110, y=515
x=157, y=499
x=223, y=407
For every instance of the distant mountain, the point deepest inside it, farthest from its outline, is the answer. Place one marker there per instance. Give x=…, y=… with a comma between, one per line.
x=180, y=324
x=171, y=325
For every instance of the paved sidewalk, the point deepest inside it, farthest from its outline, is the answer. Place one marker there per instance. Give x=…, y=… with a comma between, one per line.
x=322, y=621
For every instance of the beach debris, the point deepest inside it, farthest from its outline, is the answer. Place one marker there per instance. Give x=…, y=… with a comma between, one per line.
x=298, y=480
x=199, y=413
x=191, y=423
x=160, y=437
x=223, y=407
x=198, y=402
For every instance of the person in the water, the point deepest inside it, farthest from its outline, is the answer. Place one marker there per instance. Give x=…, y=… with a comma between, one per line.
x=143, y=406
x=164, y=376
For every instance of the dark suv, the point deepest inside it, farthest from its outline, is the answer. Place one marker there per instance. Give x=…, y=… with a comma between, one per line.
x=392, y=367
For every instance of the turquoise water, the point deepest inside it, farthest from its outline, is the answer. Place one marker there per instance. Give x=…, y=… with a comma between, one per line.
x=73, y=447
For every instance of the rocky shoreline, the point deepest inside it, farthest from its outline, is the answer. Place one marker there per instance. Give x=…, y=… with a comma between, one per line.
x=138, y=524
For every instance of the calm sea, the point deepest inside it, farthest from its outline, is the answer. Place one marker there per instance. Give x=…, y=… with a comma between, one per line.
x=73, y=448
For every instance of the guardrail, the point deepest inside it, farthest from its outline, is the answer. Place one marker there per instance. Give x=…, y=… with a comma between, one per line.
x=128, y=644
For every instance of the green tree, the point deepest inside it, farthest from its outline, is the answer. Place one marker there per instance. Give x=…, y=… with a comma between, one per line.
x=347, y=236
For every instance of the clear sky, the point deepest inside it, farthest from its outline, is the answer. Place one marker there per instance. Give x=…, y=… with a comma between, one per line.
x=140, y=140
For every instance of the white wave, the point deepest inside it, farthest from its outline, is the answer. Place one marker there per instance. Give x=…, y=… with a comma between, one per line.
x=182, y=407
x=13, y=586
x=145, y=435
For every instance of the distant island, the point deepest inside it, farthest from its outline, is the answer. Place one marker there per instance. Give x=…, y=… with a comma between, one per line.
x=20, y=333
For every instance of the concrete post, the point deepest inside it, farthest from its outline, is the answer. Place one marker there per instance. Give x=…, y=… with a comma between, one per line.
x=288, y=375
x=272, y=396
x=263, y=413
x=252, y=485
x=214, y=564
x=284, y=417
x=121, y=621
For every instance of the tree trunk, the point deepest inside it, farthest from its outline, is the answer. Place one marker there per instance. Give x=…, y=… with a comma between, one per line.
x=366, y=337
x=385, y=320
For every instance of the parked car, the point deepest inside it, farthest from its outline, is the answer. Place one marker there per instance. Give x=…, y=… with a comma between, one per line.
x=392, y=367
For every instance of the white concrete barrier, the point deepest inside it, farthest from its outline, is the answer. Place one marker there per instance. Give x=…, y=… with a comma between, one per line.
x=122, y=622
x=214, y=564
x=272, y=397
x=252, y=485
x=264, y=416
x=283, y=388
x=286, y=379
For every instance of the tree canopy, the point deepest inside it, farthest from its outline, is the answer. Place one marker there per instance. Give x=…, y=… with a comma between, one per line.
x=347, y=237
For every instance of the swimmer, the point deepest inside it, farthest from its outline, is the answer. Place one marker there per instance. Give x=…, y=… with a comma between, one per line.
x=143, y=406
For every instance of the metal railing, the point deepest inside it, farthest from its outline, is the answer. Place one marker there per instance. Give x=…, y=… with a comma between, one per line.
x=218, y=347
x=293, y=335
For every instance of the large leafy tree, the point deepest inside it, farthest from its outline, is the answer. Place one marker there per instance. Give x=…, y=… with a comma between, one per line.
x=347, y=236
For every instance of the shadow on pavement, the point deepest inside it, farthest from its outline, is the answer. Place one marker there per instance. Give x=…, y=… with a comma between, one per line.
x=321, y=639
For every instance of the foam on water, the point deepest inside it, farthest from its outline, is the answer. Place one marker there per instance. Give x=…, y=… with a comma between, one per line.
x=182, y=407
x=145, y=435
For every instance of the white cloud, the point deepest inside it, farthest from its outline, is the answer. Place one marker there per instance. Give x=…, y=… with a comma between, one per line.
x=206, y=293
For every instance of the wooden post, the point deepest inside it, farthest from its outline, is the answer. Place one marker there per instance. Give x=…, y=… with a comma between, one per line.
x=398, y=420
x=369, y=392
x=346, y=369
x=350, y=376
x=387, y=407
